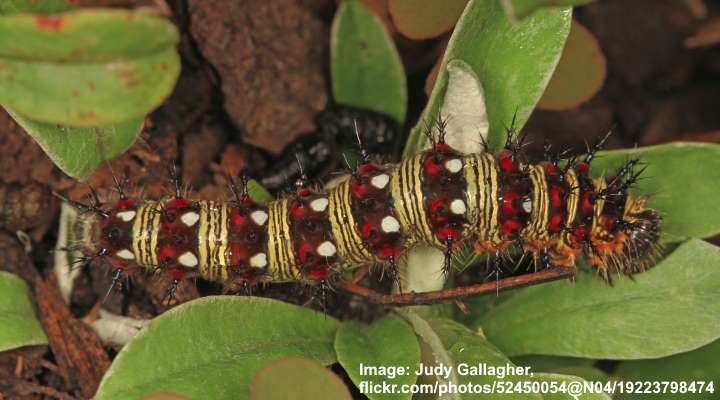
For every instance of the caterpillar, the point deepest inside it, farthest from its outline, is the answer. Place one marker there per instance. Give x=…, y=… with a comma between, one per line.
x=440, y=197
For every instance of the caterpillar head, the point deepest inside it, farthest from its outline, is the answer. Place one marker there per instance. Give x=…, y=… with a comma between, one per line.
x=642, y=230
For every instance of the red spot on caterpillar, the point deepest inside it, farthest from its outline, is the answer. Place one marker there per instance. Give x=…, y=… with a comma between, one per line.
x=389, y=251
x=297, y=210
x=236, y=217
x=431, y=166
x=608, y=223
x=318, y=274
x=449, y=233
x=358, y=189
x=510, y=226
x=49, y=22
x=179, y=202
x=555, y=222
x=303, y=251
x=587, y=203
x=367, y=230
x=367, y=167
x=166, y=253
x=124, y=203
x=550, y=168
x=435, y=204
x=442, y=148
x=304, y=192
x=555, y=195
x=582, y=166
x=508, y=201
x=506, y=161
x=580, y=234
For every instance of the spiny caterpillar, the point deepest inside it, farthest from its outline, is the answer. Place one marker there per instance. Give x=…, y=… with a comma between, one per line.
x=439, y=197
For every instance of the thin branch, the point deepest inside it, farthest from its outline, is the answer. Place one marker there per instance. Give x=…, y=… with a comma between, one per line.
x=437, y=296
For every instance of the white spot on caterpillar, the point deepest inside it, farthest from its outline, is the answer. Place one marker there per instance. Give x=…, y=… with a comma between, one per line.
x=458, y=207
x=125, y=254
x=126, y=216
x=190, y=218
x=454, y=165
x=259, y=216
x=326, y=249
x=380, y=181
x=319, y=205
x=188, y=259
x=527, y=205
x=390, y=225
x=259, y=260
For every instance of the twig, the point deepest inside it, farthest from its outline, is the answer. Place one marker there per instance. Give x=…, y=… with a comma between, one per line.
x=437, y=296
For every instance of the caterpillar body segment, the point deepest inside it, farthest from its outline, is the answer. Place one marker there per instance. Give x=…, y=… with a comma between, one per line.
x=439, y=197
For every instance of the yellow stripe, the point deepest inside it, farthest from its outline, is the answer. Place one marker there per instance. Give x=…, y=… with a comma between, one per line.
x=281, y=257
x=537, y=228
x=212, y=240
x=573, y=183
x=473, y=192
x=490, y=229
x=145, y=234
x=410, y=201
x=347, y=238
x=600, y=185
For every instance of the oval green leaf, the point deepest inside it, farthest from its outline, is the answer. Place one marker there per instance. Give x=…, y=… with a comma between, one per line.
x=513, y=62
x=297, y=378
x=365, y=66
x=79, y=151
x=19, y=326
x=697, y=365
x=212, y=347
x=388, y=342
x=452, y=345
x=681, y=180
x=672, y=308
x=86, y=67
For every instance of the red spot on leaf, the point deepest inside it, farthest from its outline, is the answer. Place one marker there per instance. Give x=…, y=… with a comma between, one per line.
x=49, y=22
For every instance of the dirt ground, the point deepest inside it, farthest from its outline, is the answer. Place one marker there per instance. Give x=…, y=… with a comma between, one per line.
x=245, y=93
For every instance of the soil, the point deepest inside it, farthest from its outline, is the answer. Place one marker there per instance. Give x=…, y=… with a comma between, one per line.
x=255, y=74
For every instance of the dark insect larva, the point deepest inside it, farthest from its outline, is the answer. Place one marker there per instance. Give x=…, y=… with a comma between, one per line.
x=438, y=197
x=320, y=151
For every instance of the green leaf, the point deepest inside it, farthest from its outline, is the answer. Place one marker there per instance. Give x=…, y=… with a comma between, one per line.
x=672, y=308
x=365, y=66
x=682, y=182
x=453, y=345
x=387, y=342
x=87, y=67
x=513, y=63
x=18, y=324
x=79, y=151
x=567, y=379
x=297, y=378
x=518, y=9
x=33, y=6
x=258, y=192
x=702, y=364
x=211, y=348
